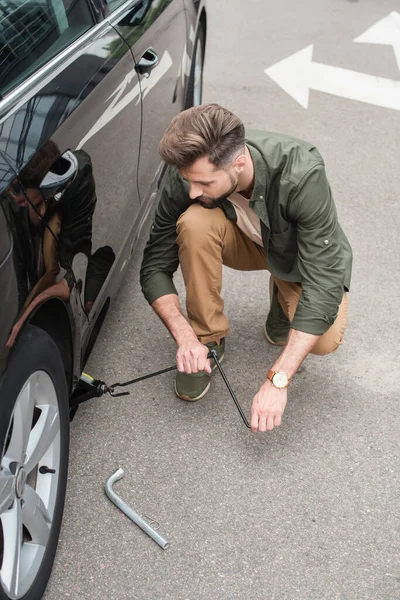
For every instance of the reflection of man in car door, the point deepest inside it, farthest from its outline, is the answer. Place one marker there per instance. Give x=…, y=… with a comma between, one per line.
x=58, y=193
x=272, y=209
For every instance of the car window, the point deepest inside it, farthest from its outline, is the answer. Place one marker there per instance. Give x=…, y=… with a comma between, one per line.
x=33, y=31
x=139, y=10
x=114, y=4
x=135, y=23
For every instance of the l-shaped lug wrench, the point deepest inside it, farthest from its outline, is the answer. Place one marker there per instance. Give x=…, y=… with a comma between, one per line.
x=117, y=500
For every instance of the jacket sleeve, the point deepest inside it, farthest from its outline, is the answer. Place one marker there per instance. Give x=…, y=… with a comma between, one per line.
x=321, y=257
x=160, y=258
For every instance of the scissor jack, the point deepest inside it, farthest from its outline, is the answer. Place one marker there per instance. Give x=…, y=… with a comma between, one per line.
x=88, y=388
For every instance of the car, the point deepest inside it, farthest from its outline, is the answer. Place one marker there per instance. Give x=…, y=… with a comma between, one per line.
x=87, y=89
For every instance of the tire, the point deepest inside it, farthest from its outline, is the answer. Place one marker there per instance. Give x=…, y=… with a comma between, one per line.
x=194, y=94
x=34, y=432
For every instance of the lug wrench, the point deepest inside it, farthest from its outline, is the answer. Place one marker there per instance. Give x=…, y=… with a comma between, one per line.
x=211, y=354
x=117, y=500
x=96, y=388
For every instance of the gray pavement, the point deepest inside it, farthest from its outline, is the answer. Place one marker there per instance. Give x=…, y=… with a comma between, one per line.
x=311, y=510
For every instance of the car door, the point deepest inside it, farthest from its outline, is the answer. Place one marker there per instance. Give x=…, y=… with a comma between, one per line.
x=70, y=99
x=156, y=32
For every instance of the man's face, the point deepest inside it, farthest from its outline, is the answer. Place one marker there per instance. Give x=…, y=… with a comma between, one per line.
x=209, y=185
x=28, y=197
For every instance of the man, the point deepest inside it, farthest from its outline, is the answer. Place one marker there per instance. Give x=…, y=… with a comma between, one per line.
x=272, y=208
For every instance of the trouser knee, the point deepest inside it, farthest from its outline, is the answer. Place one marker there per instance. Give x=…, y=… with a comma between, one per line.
x=197, y=224
x=325, y=346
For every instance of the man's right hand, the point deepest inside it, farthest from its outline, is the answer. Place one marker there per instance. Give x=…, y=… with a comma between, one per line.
x=192, y=354
x=192, y=357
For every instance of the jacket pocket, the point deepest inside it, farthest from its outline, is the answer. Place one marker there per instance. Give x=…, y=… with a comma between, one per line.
x=284, y=242
x=282, y=249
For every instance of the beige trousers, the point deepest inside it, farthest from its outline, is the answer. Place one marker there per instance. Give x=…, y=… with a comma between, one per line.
x=207, y=239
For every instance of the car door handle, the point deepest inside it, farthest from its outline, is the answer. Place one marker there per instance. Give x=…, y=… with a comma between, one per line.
x=147, y=62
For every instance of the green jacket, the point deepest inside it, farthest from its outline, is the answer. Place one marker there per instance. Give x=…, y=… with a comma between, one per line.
x=301, y=233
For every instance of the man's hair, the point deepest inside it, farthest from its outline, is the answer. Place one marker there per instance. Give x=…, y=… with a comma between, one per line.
x=36, y=169
x=206, y=130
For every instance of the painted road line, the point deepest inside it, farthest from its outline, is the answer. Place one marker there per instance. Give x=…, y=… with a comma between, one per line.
x=297, y=74
x=385, y=32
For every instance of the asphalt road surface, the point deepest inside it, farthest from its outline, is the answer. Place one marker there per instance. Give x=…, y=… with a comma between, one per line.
x=311, y=510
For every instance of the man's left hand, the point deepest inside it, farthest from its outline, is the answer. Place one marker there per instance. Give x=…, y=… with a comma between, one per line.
x=268, y=407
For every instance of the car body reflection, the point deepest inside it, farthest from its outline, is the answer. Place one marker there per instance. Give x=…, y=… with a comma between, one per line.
x=54, y=199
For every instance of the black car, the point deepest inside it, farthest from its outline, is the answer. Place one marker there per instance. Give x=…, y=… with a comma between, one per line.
x=87, y=88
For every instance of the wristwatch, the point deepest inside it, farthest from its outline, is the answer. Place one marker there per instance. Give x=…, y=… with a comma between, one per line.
x=279, y=379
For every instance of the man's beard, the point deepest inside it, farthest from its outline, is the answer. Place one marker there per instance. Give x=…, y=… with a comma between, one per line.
x=209, y=202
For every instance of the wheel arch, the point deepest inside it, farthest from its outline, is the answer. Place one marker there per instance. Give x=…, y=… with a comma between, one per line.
x=203, y=23
x=54, y=317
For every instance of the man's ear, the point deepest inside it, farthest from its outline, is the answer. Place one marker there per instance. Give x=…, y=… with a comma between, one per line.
x=240, y=162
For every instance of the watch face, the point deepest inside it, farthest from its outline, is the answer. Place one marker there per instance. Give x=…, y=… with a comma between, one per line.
x=280, y=379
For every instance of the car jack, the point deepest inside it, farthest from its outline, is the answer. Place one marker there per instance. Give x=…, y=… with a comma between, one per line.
x=88, y=388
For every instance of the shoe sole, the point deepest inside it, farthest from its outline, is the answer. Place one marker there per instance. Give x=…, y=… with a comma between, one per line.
x=272, y=341
x=204, y=392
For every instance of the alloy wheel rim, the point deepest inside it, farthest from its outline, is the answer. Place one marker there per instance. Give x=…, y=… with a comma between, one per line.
x=28, y=496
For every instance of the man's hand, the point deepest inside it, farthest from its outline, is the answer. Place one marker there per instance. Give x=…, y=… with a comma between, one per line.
x=192, y=357
x=269, y=403
x=268, y=407
x=192, y=354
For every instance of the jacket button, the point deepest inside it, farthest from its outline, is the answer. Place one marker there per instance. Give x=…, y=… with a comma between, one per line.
x=261, y=197
x=326, y=242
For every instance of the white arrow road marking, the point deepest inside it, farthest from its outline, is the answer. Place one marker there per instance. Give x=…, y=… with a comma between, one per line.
x=121, y=101
x=385, y=32
x=297, y=74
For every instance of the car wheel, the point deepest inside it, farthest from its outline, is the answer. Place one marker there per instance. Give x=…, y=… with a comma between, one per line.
x=34, y=443
x=195, y=88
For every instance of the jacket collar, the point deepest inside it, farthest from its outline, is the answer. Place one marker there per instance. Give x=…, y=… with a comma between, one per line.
x=258, y=201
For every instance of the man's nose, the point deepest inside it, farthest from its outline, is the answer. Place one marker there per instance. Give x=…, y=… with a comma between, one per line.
x=195, y=191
